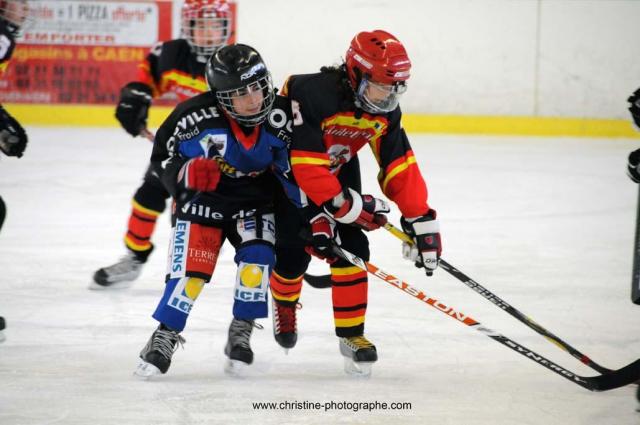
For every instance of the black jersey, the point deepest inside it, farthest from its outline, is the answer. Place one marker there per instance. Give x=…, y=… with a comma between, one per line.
x=172, y=66
x=248, y=160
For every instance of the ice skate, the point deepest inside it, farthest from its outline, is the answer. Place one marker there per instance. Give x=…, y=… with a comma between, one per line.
x=119, y=275
x=359, y=355
x=284, y=324
x=238, y=349
x=155, y=357
x=2, y=326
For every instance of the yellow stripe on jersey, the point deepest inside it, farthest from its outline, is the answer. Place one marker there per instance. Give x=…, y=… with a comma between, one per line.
x=397, y=170
x=309, y=160
x=184, y=80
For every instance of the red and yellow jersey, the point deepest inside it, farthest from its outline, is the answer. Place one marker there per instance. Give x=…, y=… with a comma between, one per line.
x=329, y=131
x=172, y=67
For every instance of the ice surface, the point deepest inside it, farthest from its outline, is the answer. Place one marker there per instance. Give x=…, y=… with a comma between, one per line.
x=547, y=224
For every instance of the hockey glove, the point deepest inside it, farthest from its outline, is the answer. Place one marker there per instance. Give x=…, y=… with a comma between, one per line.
x=634, y=100
x=426, y=248
x=323, y=236
x=632, y=166
x=199, y=174
x=13, y=138
x=133, y=107
x=363, y=211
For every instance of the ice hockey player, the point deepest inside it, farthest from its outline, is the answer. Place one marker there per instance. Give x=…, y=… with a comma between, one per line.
x=13, y=138
x=342, y=109
x=633, y=163
x=219, y=150
x=177, y=67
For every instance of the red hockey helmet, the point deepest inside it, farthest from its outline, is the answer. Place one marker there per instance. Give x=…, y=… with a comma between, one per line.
x=206, y=25
x=378, y=67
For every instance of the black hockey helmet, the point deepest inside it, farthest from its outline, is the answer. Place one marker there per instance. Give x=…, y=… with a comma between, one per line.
x=238, y=70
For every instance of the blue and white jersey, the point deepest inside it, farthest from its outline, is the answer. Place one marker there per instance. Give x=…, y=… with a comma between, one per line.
x=248, y=159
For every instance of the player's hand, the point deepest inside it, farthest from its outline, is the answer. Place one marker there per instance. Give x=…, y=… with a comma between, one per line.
x=323, y=237
x=133, y=108
x=200, y=174
x=426, y=248
x=364, y=211
x=634, y=108
x=13, y=138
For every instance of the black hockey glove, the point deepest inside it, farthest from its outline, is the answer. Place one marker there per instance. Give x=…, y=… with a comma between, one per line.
x=133, y=107
x=634, y=100
x=323, y=237
x=632, y=166
x=363, y=211
x=13, y=138
x=426, y=248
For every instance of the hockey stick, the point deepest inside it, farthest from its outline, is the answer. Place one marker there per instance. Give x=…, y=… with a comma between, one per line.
x=614, y=379
x=321, y=281
x=635, y=275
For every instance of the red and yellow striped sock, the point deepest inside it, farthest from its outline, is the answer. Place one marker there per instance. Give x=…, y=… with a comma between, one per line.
x=285, y=291
x=142, y=222
x=349, y=296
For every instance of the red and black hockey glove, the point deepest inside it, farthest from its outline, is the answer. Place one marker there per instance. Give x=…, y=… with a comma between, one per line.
x=13, y=138
x=133, y=108
x=426, y=248
x=200, y=174
x=322, y=238
x=364, y=211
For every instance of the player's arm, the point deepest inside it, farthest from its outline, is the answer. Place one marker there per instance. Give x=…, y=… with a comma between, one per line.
x=312, y=170
x=401, y=181
x=13, y=138
x=184, y=165
x=135, y=97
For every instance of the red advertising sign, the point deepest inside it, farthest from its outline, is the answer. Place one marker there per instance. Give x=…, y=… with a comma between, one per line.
x=83, y=52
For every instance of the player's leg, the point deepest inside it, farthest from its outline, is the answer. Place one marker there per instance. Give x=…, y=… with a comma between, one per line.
x=148, y=203
x=349, y=296
x=190, y=266
x=286, y=280
x=253, y=238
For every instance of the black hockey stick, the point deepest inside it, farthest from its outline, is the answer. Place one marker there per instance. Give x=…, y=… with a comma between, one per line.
x=325, y=281
x=608, y=381
x=635, y=276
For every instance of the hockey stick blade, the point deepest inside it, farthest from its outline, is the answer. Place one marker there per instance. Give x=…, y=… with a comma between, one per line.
x=505, y=306
x=320, y=281
x=614, y=379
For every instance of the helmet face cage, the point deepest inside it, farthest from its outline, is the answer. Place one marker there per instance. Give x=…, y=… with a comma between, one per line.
x=377, y=98
x=205, y=25
x=16, y=15
x=264, y=84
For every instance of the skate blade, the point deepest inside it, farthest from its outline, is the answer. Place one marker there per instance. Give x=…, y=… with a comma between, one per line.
x=117, y=285
x=357, y=369
x=146, y=370
x=235, y=368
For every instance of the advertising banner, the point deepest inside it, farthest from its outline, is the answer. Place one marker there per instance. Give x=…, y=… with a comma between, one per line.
x=83, y=52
